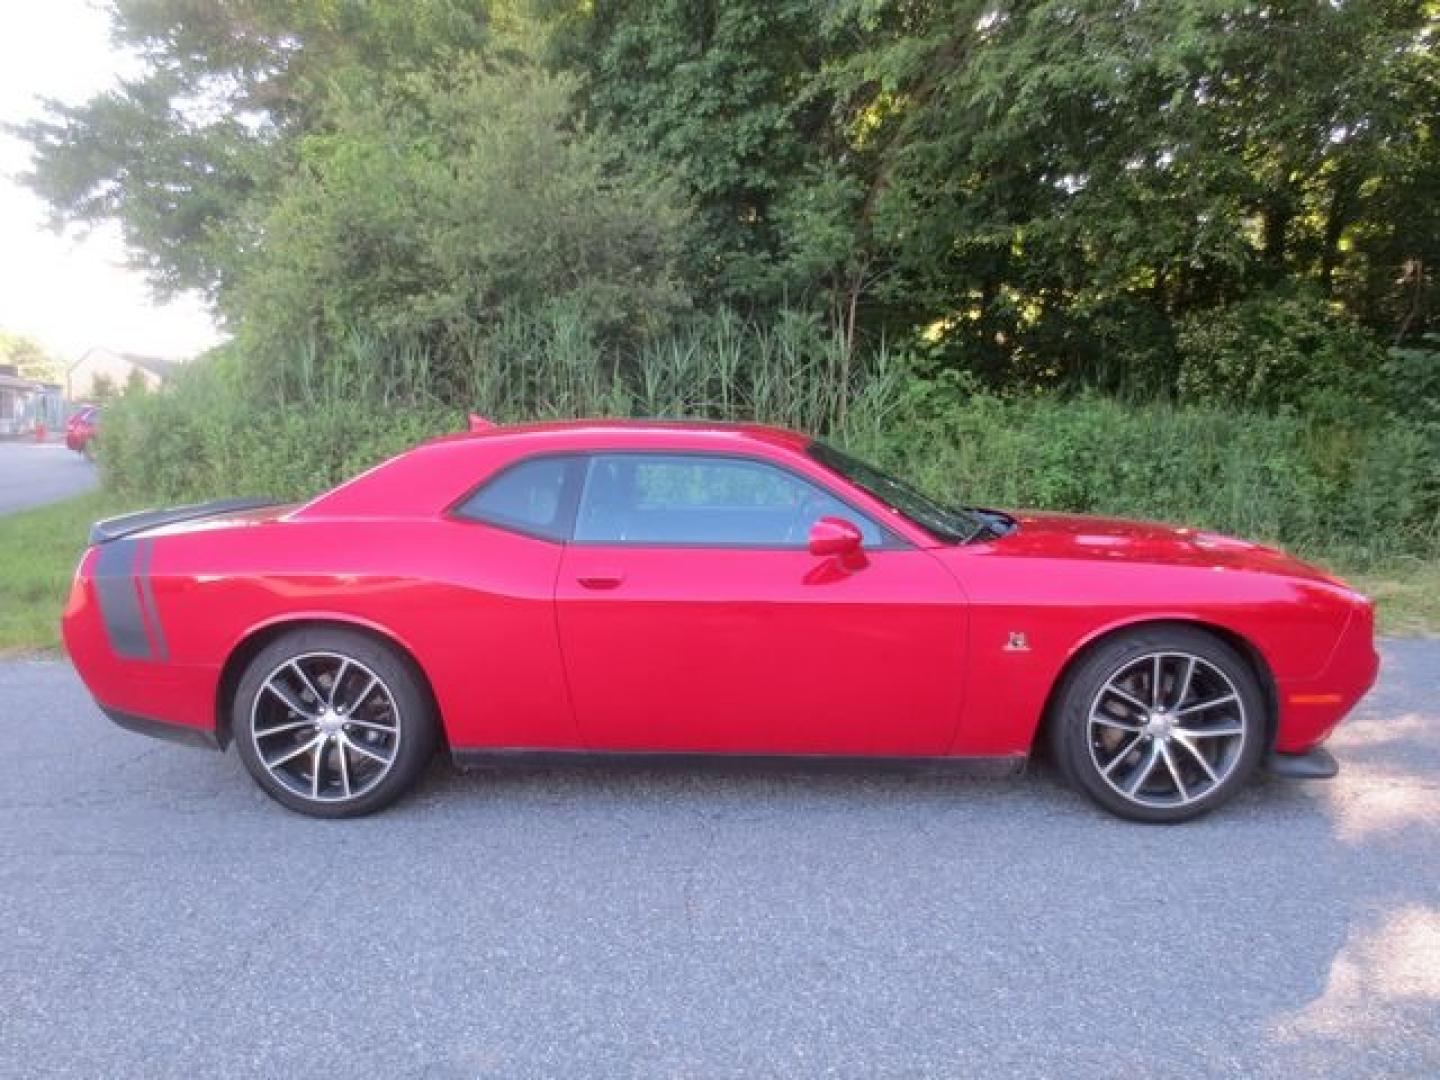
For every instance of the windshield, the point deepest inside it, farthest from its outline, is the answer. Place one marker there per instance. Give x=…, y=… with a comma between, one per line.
x=952, y=524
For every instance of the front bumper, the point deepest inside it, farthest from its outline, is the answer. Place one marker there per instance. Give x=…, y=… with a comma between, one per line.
x=1311, y=708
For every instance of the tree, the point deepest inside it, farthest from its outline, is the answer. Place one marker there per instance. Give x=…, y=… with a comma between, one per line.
x=29, y=358
x=188, y=156
x=1024, y=180
x=429, y=208
x=1042, y=191
x=718, y=92
x=103, y=390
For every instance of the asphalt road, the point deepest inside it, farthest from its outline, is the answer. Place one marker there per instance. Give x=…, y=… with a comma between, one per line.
x=35, y=473
x=160, y=917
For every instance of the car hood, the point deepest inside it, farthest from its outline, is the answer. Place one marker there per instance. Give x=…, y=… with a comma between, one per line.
x=1080, y=536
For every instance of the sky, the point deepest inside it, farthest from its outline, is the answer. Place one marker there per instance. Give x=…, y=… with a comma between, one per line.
x=72, y=292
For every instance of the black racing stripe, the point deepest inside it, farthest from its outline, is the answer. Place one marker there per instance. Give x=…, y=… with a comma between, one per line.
x=147, y=594
x=119, y=605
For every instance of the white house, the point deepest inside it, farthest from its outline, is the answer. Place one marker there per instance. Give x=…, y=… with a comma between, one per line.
x=117, y=369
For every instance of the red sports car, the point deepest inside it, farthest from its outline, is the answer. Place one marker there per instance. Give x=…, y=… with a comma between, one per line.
x=595, y=589
x=81, y=429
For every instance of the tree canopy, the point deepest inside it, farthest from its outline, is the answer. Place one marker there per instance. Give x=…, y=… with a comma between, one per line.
x=29, y=358
x=1038, y=191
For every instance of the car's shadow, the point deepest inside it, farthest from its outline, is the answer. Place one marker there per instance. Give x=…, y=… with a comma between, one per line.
x=1037, y=785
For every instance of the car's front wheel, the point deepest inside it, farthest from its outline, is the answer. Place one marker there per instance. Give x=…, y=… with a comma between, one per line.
x=1160, y=724
x=332, y=723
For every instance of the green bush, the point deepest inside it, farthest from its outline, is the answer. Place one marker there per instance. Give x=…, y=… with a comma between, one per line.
x=1276, y=350
x=209, y=435
x=1412, y=379
x=1332, y=491
x=298, y=425
x=1361, y=493
x=441, y=199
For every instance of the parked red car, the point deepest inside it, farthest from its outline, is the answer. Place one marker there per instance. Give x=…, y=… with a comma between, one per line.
x=595, y=589
x=81, y=429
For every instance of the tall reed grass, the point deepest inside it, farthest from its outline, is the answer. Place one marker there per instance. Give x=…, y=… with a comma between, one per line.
x=291, y=426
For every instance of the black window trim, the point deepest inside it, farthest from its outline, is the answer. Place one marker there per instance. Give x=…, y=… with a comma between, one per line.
x=889, y=539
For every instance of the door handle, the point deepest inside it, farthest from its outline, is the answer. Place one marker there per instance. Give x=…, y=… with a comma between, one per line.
x=601, y=579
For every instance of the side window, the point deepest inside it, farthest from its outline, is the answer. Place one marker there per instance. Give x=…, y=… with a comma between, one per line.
x=532, y=497
x=683, y=499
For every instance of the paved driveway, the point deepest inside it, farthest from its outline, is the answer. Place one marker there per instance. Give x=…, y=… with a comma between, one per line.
x=159, y=917
x=35, y=473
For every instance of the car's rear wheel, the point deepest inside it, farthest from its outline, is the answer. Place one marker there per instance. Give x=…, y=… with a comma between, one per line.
x=1161, y=724
x=332, y=723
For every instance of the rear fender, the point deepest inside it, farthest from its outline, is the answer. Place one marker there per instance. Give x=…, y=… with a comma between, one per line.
x=249, y=644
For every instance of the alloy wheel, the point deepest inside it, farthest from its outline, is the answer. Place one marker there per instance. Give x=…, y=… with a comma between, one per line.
x=325, y=726
x=1166, y=729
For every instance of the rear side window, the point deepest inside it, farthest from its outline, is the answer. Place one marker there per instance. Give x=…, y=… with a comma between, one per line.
x=535, y=497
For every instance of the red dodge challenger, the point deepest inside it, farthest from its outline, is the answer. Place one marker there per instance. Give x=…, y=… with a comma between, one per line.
x=82, y=428
x=597, y=589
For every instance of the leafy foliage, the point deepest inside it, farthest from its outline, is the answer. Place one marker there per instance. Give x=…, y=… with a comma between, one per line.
x=439, y=203
x=186, y=156
x=1332, y=489
x=999, y=175
x=1277, y=350
x=29, y=358
x=1412, y=377
x=1039, y=191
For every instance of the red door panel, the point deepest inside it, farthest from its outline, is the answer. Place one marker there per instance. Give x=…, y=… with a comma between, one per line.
x=761, y=651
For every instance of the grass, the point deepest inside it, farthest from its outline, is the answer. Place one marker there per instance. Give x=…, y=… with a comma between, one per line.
x=40, y=548
x=1407, y=597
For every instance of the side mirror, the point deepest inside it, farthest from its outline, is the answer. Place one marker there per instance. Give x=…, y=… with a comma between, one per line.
x=834, y=537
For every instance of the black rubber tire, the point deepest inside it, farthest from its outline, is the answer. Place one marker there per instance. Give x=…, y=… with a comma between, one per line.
x=1068, y=729
x=417, y=717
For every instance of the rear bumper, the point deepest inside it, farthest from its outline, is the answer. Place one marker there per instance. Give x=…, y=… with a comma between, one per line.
x=123, y=656
x=164, y=729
